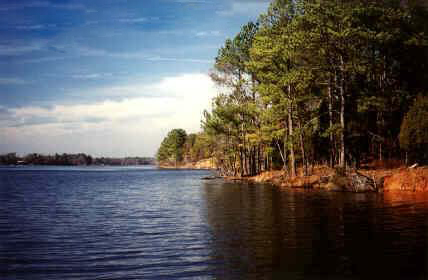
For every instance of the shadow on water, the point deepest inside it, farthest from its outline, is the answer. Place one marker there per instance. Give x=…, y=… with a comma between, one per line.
x=261, y=232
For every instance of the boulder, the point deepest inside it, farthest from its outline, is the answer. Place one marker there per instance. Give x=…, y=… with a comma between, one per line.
x=355, y=182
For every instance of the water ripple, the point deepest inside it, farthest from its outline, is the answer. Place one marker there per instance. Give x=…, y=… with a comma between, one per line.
x=77, y=223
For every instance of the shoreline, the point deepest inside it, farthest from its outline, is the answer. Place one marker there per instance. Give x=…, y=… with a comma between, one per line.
x=185, y=167
x=204, y=164
x=382, y=180
x=403, y=179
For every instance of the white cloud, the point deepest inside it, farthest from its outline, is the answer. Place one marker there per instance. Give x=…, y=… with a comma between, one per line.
x=128, y=20
x=131, y=126
x=42, y=59
x=208, y=33
x=91, y=76
x=15, y=50
x=253, y=8
x=133, y=20
x=33, y=27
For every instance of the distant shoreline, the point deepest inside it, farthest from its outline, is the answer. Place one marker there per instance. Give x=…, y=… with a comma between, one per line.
x=80, y=165
x=79, y=159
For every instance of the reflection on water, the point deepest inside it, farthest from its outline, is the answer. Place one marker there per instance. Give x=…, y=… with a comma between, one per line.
x=261, y=232
x=115, y=223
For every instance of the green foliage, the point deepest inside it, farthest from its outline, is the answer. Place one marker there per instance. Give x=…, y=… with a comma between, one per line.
x=9, y=159
x=171, y=148
x=320, y=81
x=178, y=147
x=70, y=159
x=414, y=128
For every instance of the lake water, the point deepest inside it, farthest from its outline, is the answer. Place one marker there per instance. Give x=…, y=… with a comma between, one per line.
x=143, y=223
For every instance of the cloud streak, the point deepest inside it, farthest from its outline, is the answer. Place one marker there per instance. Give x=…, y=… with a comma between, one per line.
x=85, y=51
x=71, y=51
x=210, y=33
x=192, y=1
x=16, y=50
x=124, y=20
x=12, y=81
x=242, y=7
x=44, y=4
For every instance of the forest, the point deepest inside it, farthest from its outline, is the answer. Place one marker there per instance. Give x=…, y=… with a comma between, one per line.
x=340, y=83
x=70, y=159
x=178, y=148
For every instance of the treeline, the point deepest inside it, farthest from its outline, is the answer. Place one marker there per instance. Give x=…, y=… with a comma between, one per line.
x=320, y=82
x=178, y=147
x=70, y=159
x=124, y=161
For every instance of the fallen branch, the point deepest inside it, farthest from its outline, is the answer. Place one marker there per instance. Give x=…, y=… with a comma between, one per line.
x=413, y=166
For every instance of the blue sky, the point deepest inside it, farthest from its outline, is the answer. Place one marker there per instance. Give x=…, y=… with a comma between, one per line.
x=108, y=77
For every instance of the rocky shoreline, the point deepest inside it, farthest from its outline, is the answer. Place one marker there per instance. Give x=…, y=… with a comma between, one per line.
x=324, y=178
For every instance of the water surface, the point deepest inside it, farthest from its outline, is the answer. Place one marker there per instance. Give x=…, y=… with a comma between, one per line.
x=143, y=223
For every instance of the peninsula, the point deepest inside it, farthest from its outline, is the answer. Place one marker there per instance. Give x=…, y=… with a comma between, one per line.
x=337, y=86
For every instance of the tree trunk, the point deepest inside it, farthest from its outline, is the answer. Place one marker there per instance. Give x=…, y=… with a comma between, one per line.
x=330, y=114
x=241, y=162
x=282, y=154
x=290, y=131
x=251, y=162
x=254, y=161
x=406, y=159
x=342, y=162
x=302, y=149
x=245, y=162
x=266, y=161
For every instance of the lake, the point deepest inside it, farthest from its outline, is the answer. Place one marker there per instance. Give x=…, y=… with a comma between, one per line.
x=144, y=223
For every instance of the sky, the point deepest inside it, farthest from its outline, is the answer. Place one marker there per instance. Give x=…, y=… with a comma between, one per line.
x=109, y=77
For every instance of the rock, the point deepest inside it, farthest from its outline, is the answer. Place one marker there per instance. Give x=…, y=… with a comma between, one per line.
x=331, y=186
x=211, y=178
x=337, y=183
x=306, y=182
x=350, y=183
x=361, y=183
x=324, y=179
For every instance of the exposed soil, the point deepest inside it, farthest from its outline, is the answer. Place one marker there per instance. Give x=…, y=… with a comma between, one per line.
x=202, y=164
x=323, y=177
x=414, y=180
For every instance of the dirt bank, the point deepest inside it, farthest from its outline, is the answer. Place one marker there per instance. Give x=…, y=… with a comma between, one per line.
x=205, y=164
x=386, y=180
x=413, y=180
